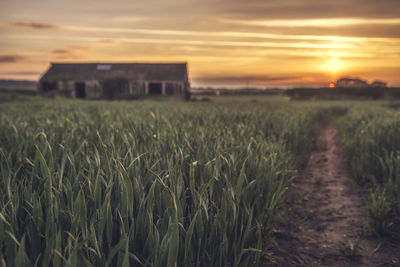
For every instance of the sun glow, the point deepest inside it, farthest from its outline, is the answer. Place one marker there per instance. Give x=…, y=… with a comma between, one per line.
x=334, y=65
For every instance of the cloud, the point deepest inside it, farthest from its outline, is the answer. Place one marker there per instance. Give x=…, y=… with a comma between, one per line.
x=21, y=73
x=35, y=25
x=72, y=49
x=311, y=29
x=10, y=58
x=60, y=51
x=322, y=23
x=71, y=52
x=295, y=9
x=107, y=41
x=250, y=79
x=127, y=19
x=80, y=47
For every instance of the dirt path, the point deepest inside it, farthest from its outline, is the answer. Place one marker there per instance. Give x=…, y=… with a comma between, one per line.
x=322, y=223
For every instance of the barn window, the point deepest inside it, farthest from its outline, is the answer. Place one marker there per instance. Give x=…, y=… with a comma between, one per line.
x=49, y=86
x=104, y=67
x=80, y=90
x=170, y=89
x=155, y=88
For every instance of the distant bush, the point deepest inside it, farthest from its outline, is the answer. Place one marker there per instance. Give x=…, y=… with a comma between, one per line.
x=14, y=96
x=395, y=105
x=344, y=93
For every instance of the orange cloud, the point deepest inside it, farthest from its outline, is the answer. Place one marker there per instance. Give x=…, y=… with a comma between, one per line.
x=107, y=41
x=35, y=25
x=11, y=58
x=71, y=52
x=60, y=51
x=250, y=79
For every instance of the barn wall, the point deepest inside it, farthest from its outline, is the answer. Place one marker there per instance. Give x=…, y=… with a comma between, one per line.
x=64, y=88
x=169, y=88
x=137, y=87
x=93, y=89
x=174, y=88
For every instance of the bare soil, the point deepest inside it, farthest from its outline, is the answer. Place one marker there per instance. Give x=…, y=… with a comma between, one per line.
x=323, y=221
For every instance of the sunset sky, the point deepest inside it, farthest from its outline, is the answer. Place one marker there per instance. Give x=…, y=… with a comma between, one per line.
x=225, y=42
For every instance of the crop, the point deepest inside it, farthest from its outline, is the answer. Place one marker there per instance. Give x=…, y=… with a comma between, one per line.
x=144, y=183
x=371, y=138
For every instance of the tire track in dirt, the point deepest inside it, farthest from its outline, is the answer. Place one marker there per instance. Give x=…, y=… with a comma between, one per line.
x=323, y=220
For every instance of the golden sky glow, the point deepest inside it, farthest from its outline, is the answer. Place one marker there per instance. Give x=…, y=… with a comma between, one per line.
x=225, y=42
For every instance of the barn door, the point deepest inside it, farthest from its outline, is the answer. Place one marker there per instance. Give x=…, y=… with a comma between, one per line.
x=80, y=90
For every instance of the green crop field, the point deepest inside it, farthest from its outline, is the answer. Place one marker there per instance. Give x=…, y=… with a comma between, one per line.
x=168, y=183
x=371, y=139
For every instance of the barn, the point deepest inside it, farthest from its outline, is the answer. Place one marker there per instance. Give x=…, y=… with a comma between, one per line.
x=86, y=80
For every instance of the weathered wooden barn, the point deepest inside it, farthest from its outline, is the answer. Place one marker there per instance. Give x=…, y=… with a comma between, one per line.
x=85, y=80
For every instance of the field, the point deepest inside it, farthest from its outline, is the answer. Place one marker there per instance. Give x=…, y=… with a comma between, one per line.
x=168, y=183
x=371, y=140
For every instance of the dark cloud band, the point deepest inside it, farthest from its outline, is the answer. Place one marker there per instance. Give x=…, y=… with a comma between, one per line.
x=10, y=58
x=35, y=25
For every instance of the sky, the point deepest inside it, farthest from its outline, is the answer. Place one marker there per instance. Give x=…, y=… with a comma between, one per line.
x=231, y=43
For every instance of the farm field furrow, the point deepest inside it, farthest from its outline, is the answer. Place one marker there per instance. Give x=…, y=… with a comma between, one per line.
x=324, y=220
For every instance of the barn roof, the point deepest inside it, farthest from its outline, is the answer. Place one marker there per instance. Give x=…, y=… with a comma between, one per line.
x=99, y=71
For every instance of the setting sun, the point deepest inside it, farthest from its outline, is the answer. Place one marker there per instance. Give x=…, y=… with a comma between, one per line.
x=334, y=65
